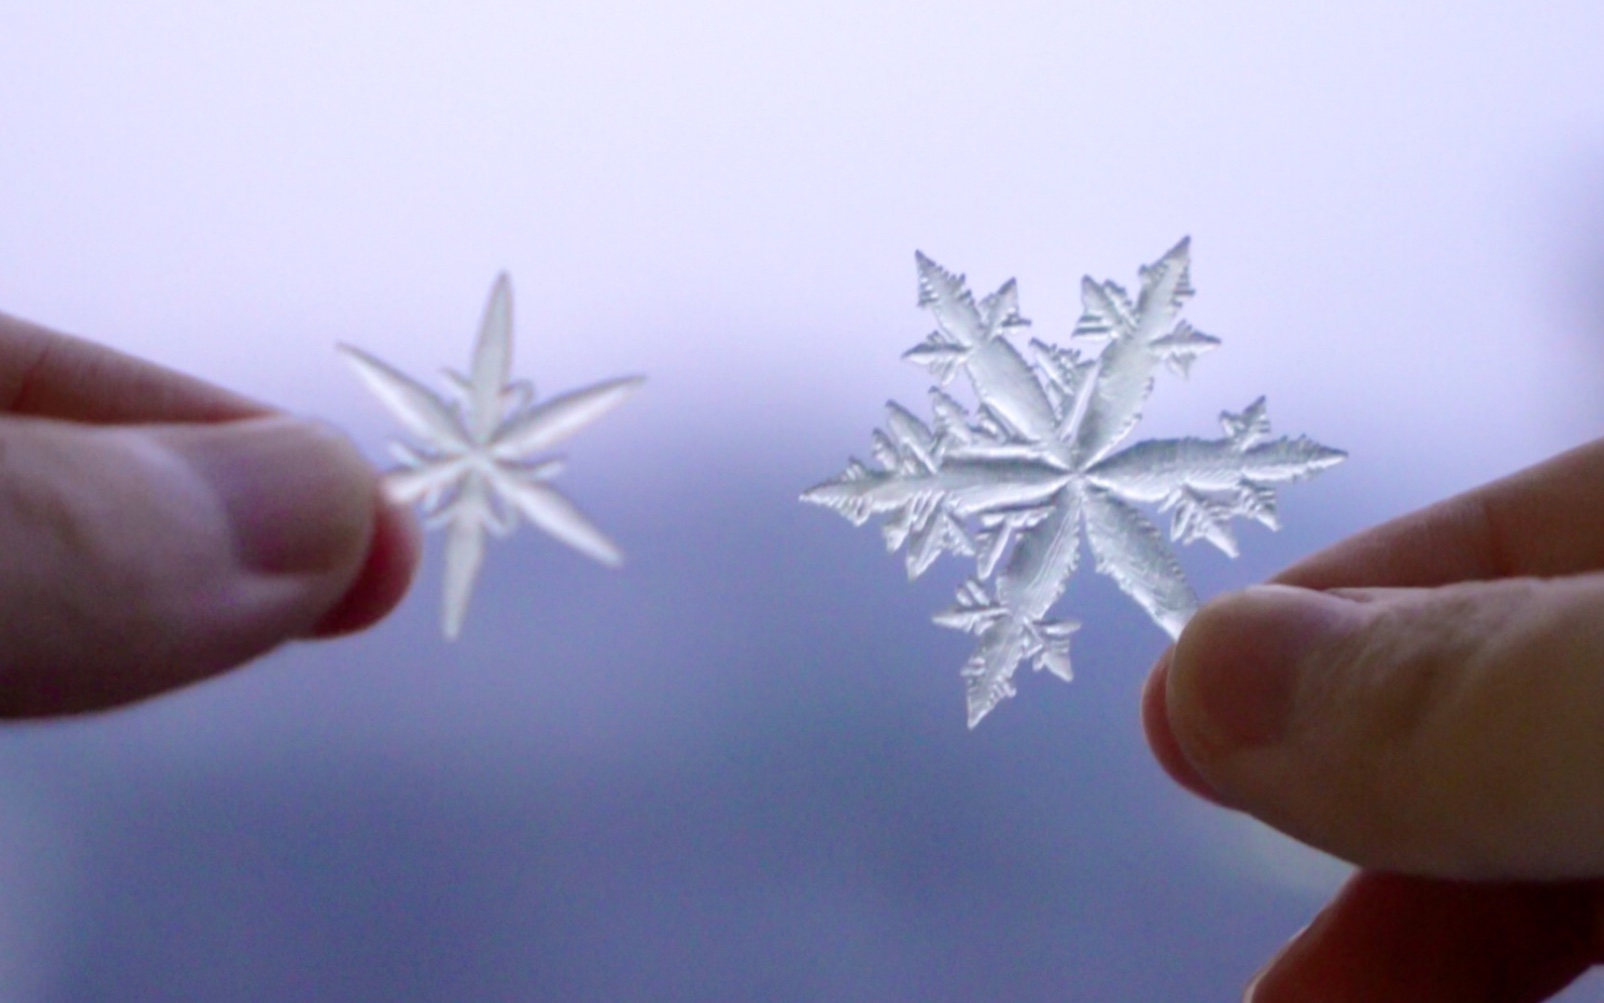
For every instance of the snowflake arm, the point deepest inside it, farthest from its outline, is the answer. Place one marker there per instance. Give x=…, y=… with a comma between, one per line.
x=1131, y=551
x=1141, y=339
x=542, y=426
x=486, y=389
x=412, y=403
x=423, y=482
x=926, y=488
x=549, y=509
x=1209, y=482
x=1012, y=623
x=465, y=555
x=974, y=339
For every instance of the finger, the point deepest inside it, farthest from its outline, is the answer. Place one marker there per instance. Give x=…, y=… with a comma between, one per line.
x=1452, y=732
x=1161, y=737
x=1391, y=939
x=1541, y=521
x=51, y=375
x=387, y=572
x=137, y=559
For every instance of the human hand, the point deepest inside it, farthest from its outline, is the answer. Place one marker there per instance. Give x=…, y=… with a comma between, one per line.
x=156, y=530
x=1434, y=713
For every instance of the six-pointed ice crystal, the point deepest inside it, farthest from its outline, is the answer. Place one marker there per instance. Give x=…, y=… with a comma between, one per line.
x=473, y=473
x=1015, y=482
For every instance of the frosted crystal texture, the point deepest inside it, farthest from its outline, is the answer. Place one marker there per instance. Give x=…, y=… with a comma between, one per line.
x=473, y=473
x=1015, y=482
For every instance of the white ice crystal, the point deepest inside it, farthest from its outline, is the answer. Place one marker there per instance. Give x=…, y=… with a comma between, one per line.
x=1015, y=482
x=473, y=474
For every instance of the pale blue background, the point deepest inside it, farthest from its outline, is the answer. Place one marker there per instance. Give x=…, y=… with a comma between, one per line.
x=737, y=768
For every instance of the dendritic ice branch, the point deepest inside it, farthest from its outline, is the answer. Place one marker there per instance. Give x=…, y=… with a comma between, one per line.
x=1016, y=482
x=473, y=474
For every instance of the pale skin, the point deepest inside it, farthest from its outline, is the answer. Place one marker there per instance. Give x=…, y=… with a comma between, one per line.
x=157, y=530
x=1425, y=700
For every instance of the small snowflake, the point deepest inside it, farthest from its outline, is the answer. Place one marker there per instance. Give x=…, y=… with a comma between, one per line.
x=1035, y=465
x=473, y=474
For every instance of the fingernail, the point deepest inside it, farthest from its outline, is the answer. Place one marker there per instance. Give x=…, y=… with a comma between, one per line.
x=298, y=495
x=1238, y=666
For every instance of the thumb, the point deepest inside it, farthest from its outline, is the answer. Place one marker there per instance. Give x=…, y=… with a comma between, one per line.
x=1451, y=732
x=134, y=559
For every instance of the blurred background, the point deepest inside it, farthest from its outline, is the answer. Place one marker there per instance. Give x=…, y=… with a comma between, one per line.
x=737, y=769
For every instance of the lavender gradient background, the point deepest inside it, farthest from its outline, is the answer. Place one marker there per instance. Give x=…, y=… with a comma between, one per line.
x=737, y=769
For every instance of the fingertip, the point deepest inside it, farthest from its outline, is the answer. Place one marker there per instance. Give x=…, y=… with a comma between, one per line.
x=386, y=575
x=1241, y=661
x=1161, y=736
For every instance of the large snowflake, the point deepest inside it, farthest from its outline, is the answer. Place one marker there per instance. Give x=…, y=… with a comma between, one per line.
x=473, y=474
x=1015, y=482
